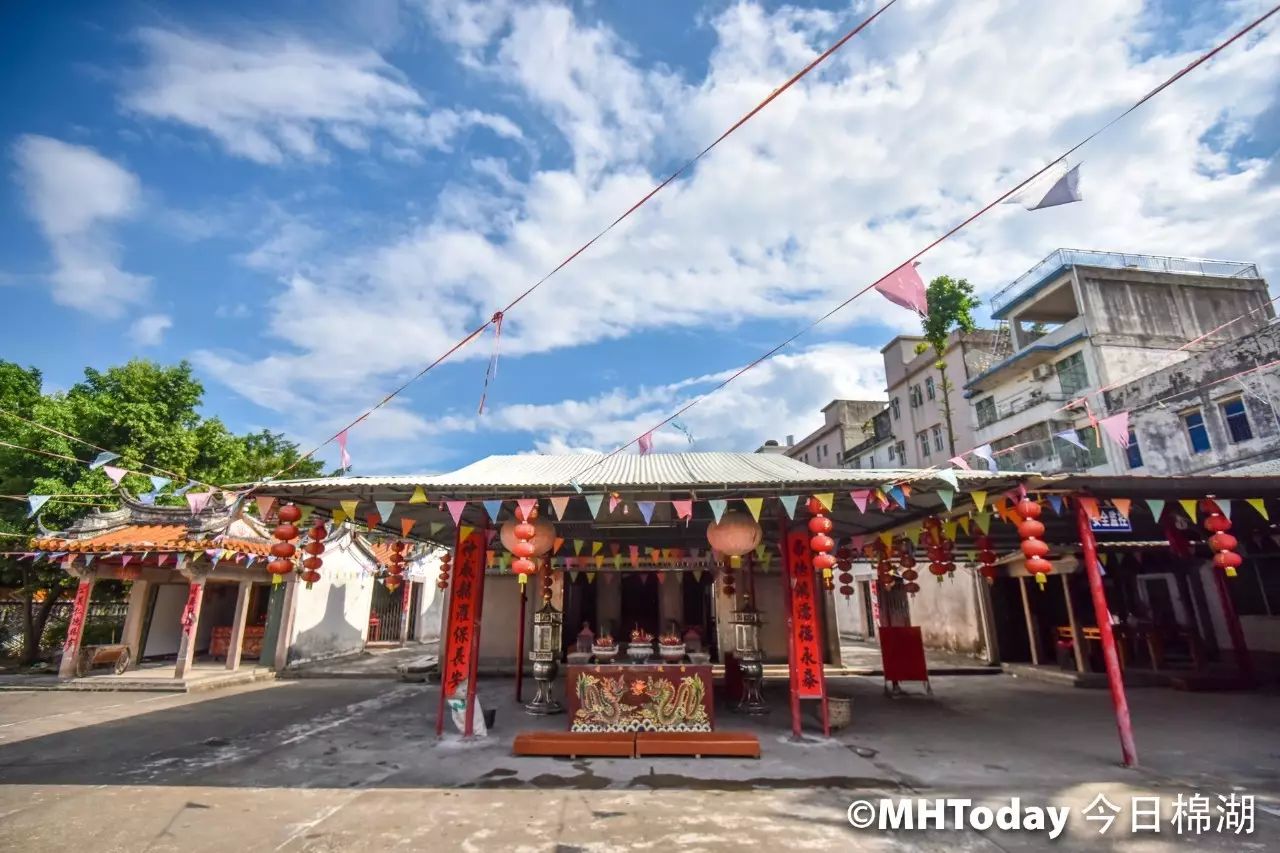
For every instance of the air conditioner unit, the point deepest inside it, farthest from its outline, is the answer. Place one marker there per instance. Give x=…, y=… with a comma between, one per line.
x=1043, y=372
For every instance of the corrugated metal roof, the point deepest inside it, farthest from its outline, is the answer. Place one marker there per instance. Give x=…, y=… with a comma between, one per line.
x=656, y=470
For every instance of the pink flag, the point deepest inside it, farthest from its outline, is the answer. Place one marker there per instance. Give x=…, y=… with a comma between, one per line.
x=526, y=505
x=613, y=502
x=646, y=443
x=342, y=450
x=904, y=287
x=198, y=501
x=116, y=474
x=1117, y=428
x=959, y=462
x=264, y=507
x=860, y=497
x=455, y=509
x=560, y=504
x=684, y=509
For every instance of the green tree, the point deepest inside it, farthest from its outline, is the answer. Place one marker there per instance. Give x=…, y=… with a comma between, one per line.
x=146, y=412
x=951, y=304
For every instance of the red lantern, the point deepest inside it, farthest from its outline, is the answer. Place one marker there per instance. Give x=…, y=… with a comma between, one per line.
x=820, y=543
x=282, y=549
x=987, y=557
x=844, y=557
x=1033, y=546
x=289, y=513
x=442, y=582
x=391, y=582
x=523, y=547
x=279, y=567
x=310, y=576
x=1222, y=543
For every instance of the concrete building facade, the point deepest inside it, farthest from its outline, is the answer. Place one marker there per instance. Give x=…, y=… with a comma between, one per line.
x=916, y=398
x=845, y=423
x=1080, y=321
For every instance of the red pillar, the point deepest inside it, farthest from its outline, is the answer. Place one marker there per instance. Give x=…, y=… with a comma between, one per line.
x=1238, y=647
x=1103, y=617
x=469, y=729
x=787, y=571
x=446, y=640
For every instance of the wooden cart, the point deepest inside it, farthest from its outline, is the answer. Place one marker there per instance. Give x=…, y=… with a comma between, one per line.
x=115, y=655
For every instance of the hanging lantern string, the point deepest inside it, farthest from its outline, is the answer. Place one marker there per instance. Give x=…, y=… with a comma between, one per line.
x=795, y=78
x=1195, y=63
x=491, y=373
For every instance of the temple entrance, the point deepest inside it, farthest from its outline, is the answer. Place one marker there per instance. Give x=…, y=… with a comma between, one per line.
x=385, y=609
x=698, y=610
x=579, y=607
x=639, y=605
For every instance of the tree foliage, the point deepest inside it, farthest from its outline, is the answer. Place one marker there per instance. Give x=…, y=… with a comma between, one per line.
x=951, y=304
x=146, y=412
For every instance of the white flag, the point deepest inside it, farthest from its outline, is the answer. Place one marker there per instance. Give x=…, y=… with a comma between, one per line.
x=1058, y=185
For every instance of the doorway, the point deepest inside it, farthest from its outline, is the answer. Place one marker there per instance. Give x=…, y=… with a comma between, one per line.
x=385, y=610
x=639, y=605
x=579, y=609
x=698, y=609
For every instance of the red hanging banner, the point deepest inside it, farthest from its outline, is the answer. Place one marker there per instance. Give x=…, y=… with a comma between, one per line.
x=78, y=614
x=806, y=665
x=464, y=611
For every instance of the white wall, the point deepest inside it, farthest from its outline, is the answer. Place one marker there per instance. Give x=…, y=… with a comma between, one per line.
x=166, y=618
x=948, y=613
x=332, y=618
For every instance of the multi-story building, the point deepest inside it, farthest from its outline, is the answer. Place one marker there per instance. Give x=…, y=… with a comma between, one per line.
x=1215, y=411
x=917, y=405
x=1080, y=321
x=877, y=450
x=845, y=424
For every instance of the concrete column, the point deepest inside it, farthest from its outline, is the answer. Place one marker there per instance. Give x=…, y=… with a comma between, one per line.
x=406, y=600
x=670, y=600
x=609, y=605
x=75, y=630
x=139, y=593
x=280, y=655
x=236, y=646
x=1032, y=639
x=190, y=625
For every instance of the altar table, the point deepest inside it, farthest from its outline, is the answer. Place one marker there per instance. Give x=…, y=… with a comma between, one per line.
x=639, y=698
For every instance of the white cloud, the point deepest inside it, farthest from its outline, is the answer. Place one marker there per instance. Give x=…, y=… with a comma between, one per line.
x=273, y=99
x=149, y=331
x=75, y=195
x=933, y=111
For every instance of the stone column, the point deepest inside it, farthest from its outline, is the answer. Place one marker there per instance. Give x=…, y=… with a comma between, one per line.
x=670, y=601
x=280, y=654
x=139, y=593
x=79, y=615
x=190, y=625
x=236, y=646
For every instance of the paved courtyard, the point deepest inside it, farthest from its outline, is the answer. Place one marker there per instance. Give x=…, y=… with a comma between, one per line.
x=354, y=764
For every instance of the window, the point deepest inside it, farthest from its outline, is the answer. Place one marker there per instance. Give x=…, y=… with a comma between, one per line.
x=1197, y=432
x=1133, y=451
x=897, y=412
x=937, y=437
x=929, y=389
x=871, y=460
x=1091, y=456
x=923, y=437
x=1072, y=375
x=806, y=458
x=986, y=408
x=892, y=452
x=915, y=397
x=1237, y=418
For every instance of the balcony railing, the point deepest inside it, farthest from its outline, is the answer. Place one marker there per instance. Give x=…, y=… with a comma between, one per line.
x=1007, y=408
x=1119, y=260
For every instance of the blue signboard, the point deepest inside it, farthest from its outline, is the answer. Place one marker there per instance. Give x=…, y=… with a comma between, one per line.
x=1110, y=520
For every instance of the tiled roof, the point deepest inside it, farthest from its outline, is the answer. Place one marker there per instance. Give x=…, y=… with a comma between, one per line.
x=148, y=537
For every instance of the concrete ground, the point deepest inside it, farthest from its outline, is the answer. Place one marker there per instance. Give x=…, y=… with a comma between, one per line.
x=354, y=764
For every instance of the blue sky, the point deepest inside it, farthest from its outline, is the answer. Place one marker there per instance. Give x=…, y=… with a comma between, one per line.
x=310, y=201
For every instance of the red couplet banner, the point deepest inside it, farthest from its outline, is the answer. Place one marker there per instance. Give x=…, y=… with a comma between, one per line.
x=464, y=607
x=78, y=613
x=807, y=643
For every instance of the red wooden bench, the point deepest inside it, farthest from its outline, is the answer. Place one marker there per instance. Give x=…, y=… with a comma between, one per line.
x=698, y=744
x=574, y=744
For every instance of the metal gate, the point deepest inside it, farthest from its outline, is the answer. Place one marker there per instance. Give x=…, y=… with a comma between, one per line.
x=384, y=614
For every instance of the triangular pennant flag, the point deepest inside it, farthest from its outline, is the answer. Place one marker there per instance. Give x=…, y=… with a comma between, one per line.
x=264, y=507
x=465, y=531
x=948, y=497
x=887, y=539
x=617, y=561
x=1156, y=505
x=661, y=576
x=372, y=520
x=1070, y=437
x=455, y=510
x=116, y=474
x=906, y=489
x=593, y=504
x=103, y=458
x=985, y=452
x=418, y=496
x=959, y=462
x=860, y=497
x=963, y=521
x=754, y=505
x=573, y=577
x=827, y=499
x=597, y=547
x=385, y=510
x=197, y=501
x=1122, y=505
x=1090, y=507
x=635, y=556
x=789, y=504
x=983, y=520
x=338, y=517
x=591, y=577
x=717, y=507
x=697, y=575
x=349, y=508
x=556, y=545
x=646, y=510
x=615, y=548
x=406, y=524
x=1057, y=185
x=614, y=500
x=898, y=496
x=36, y=502
x=490, y=532
x=1224, y=506
x=577, y=546
x=949, y=530
x=305, y=514
x=434, y=527
x=912, y=533
x=492, y=508
x=1189, y=507
x=559, y=505
x=947, y=476
x=179, y=492
x=158, y=483
x=599, y=561
x=979, y=499
x=683, y=509
x=904, y=287
x=124, y=560
x=524, y=506
x=1117, y=428
x=1055, y=501
x=1260, y=505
